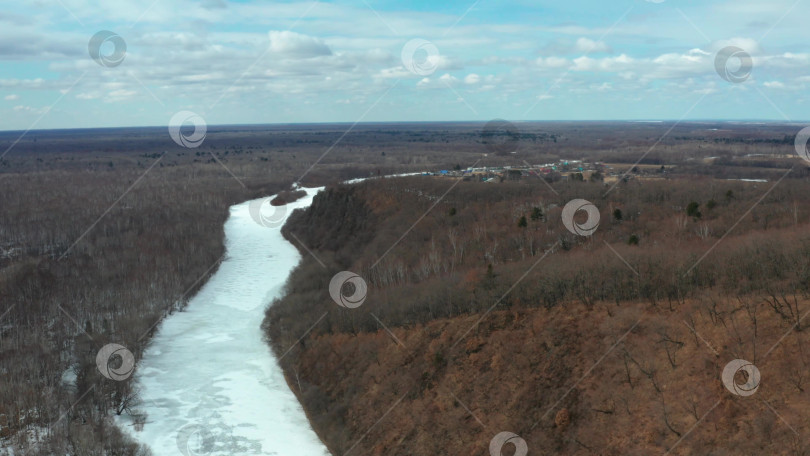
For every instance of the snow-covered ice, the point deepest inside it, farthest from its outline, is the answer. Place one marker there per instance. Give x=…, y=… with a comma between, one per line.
x=209, y=383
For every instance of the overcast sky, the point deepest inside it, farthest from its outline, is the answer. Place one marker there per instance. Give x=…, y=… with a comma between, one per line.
x=257, y=61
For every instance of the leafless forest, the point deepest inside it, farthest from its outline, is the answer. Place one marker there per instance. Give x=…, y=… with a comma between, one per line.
x=105, y=232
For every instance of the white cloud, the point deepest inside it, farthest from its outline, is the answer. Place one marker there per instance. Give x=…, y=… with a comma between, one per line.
x=587, y=45
x=472, y=78
x=12, y=97
x=447, y=78
x=297, y=45
x=748, y=45
x=120, y=95
x=38, y=83
x=191, y=52
x=442, y=82
x=552, y=62
x=29, y=109
x=394, y=73
x=608, y=64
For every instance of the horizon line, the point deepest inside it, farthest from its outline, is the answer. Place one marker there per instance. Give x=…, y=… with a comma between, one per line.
x=483, y=122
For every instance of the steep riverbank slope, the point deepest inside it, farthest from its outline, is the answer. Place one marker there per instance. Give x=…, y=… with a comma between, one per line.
x=476, y=323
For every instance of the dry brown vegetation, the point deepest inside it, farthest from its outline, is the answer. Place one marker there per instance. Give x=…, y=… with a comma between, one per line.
x=519, y=369
x=561, y=304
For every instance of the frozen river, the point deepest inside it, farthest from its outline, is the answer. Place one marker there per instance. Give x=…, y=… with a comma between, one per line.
x=209, y=383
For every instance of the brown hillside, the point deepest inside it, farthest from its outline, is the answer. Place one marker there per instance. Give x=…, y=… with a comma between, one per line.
x=476, y=323
x=519, y=369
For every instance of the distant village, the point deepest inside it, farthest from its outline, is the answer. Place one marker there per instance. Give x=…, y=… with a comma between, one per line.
x=562, y=170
